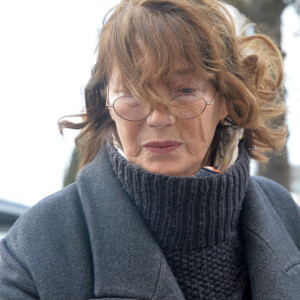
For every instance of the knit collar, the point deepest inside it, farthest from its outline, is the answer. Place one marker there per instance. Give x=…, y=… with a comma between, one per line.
x=186, y=213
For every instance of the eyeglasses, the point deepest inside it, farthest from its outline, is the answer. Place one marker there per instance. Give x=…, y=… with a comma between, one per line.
x=131, y=109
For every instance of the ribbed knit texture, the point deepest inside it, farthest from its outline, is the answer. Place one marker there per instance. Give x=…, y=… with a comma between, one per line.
x=195, y=222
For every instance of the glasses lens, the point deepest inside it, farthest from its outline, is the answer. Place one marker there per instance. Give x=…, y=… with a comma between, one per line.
x=128, y=108
x=191, y=106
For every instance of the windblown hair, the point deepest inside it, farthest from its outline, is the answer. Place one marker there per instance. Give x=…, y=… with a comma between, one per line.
x=199, y=35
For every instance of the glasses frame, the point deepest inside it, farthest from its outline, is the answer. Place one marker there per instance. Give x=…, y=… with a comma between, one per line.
x=151, y=110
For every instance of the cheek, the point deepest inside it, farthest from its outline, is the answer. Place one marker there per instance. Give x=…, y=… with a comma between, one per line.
x=192, y=137
x=128, y=134
x=201, y=135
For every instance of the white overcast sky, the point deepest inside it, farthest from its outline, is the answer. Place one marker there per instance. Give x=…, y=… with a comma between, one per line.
x=46, y=54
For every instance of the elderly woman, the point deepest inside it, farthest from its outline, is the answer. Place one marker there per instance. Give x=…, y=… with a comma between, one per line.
x=164, y=206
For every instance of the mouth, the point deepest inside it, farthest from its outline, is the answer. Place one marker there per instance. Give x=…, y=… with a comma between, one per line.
x=162, y=147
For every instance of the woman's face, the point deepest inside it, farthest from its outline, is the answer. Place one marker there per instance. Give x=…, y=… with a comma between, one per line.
x=159, y=145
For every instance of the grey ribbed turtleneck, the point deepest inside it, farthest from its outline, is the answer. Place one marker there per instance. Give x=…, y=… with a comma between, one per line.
x=195, y=222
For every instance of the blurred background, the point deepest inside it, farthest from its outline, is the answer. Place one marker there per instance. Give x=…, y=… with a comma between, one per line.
x=46, y=54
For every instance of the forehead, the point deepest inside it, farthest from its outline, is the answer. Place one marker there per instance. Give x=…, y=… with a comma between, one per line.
x=144, y=45
x=180, y=74
x=161, y=61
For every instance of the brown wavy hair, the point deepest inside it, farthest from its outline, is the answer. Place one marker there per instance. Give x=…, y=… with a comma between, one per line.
x=199, y=35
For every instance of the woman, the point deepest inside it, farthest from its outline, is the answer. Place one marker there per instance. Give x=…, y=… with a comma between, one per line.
x=164, y=206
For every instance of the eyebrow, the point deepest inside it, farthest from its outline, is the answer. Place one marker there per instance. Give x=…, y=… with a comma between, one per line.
x=117, y=90
x=182, y=72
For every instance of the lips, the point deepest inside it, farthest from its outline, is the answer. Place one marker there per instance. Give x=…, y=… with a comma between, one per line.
x=162, y=147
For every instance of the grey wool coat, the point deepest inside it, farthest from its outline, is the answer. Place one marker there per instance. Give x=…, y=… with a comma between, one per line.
x=88, y=241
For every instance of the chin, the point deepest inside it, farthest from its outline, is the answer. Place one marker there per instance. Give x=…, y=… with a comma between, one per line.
x=167, y=170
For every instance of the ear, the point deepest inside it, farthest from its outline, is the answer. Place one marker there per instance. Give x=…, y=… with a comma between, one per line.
x=223, y=112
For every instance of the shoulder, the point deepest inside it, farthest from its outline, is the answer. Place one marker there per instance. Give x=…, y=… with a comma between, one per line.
x=50, y=210
x=279, y=197
x=46, y=246
x=269, y=198
x=267, y=183
x=47, y=223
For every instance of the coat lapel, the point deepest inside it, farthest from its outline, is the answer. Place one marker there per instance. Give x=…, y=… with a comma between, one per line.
x=272, y=256
x=127, y=260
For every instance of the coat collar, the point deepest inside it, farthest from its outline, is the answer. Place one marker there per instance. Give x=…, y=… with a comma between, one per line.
x=129, y=263
x=273, y=258
x=127, y=260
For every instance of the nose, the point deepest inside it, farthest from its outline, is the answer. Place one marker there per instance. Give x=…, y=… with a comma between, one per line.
x=160, y=119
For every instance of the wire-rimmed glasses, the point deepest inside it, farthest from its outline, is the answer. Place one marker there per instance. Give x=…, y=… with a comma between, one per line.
x=129, y=108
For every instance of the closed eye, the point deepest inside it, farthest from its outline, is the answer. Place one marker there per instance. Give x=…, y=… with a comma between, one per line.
x=187, y=90
x=186, y=95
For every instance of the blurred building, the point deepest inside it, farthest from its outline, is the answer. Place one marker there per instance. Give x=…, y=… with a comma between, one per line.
x=9, y=213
